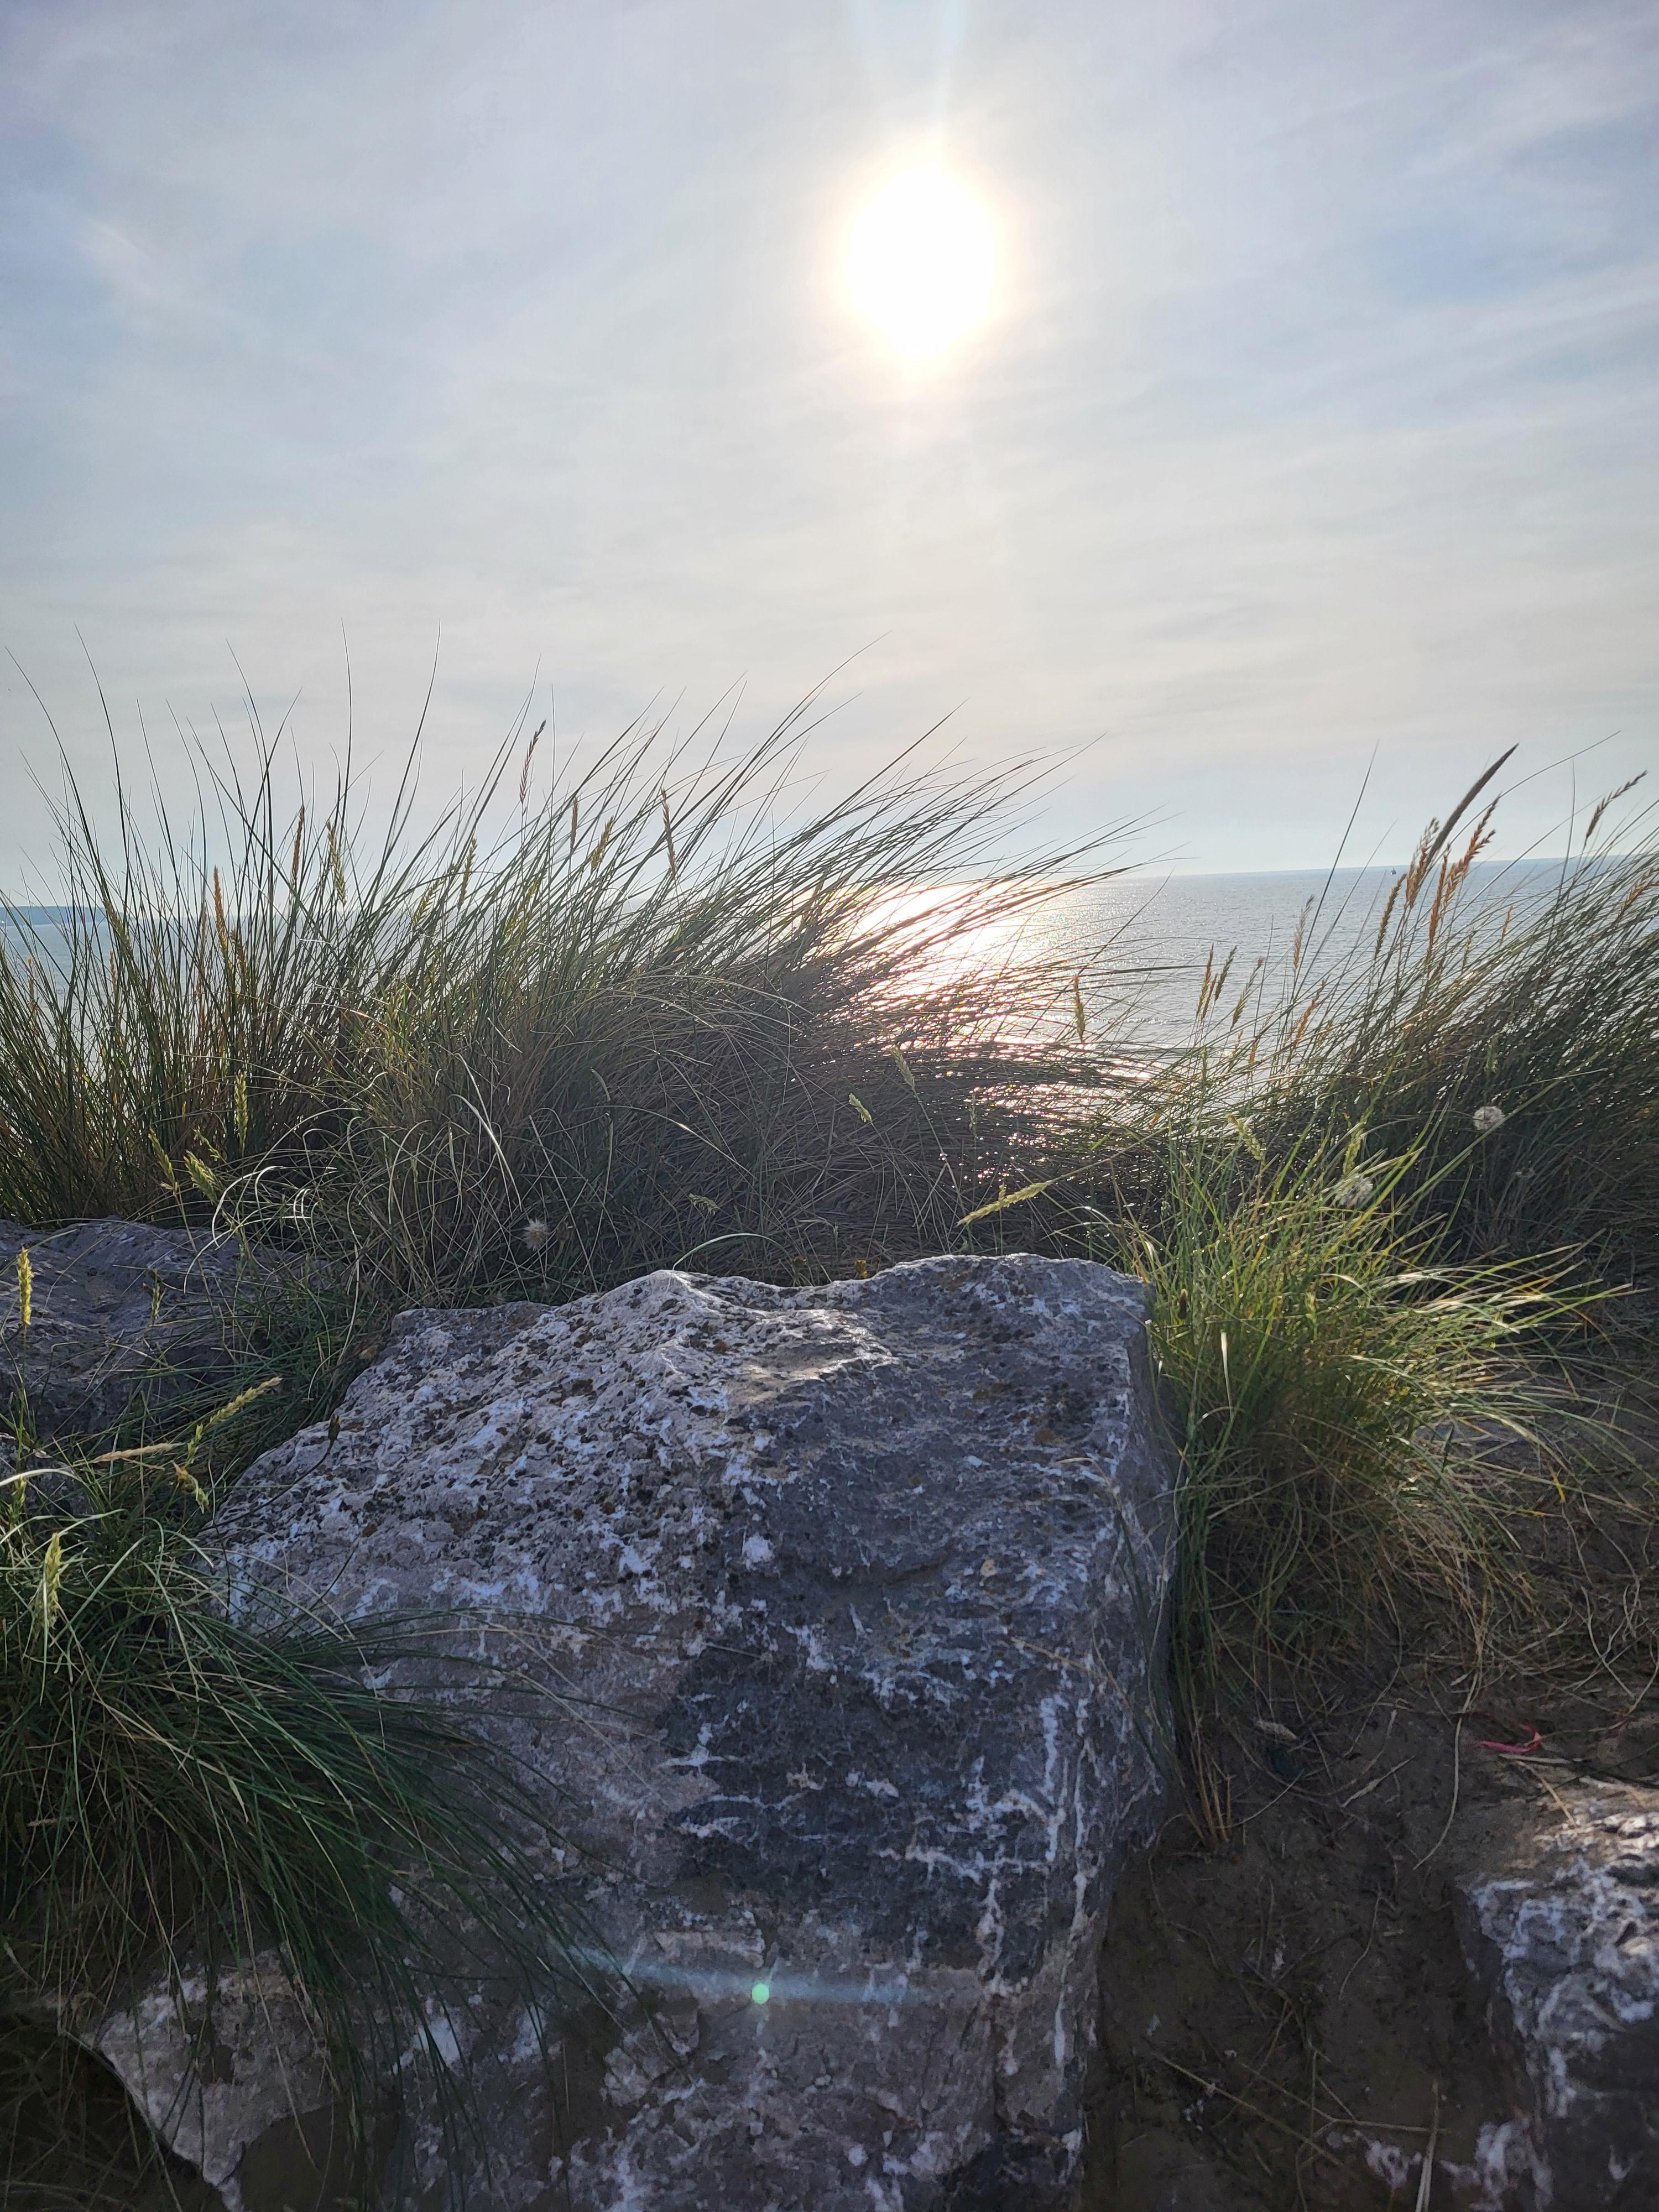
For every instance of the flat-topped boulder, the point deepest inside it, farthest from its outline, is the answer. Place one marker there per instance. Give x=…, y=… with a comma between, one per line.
x=864, y=1583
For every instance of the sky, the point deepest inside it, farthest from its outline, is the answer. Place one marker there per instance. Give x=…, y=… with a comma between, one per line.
x=1315, y=419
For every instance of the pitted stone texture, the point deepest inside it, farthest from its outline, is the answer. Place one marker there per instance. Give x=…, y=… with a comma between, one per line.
x=1561, y=1923
x=865, y=1582
x=122, y=1314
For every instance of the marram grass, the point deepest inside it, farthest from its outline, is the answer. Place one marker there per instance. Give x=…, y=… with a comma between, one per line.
x=663, y=1015
x=1342, y=1396
x=1522, y=1010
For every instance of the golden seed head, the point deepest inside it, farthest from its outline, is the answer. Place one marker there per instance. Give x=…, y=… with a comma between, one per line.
x=51, y=1578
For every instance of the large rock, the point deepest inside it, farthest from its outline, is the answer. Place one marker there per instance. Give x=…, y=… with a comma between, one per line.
x=865, y=1581
x=1561, y=1924
x=125, y=1317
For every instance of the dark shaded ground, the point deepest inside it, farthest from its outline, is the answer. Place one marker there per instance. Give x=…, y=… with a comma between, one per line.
x=1285, y=2005
x=1278, y=2002
x=72, y=2140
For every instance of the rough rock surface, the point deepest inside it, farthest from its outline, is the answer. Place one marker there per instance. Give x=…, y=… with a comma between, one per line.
x=232, y=2076
x=865, y=1582
x=122, y=1314
x=1561, y=1923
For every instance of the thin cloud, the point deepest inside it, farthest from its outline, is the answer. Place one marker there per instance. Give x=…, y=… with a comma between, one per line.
x=1315, y=413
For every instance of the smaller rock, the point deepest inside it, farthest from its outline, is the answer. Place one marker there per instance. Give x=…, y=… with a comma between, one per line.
x=1560, y=1922
x=230, y=2069
x=124, y=1317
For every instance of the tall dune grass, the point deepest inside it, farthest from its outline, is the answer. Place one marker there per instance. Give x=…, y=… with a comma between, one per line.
x=1345, y=1399
x=1381, y=1208
x=664, y=1014
x=1460, y=996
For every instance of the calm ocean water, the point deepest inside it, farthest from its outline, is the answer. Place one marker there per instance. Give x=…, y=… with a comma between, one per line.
x=1143, y=940
x=1159, y=933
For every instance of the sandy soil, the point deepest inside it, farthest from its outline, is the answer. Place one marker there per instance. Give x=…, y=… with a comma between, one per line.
x=1285, y=2008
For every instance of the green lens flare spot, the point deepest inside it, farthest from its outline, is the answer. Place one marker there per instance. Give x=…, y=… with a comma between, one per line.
x=761, y=1991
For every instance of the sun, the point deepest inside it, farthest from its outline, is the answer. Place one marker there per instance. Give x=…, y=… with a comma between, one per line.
x=920, y=262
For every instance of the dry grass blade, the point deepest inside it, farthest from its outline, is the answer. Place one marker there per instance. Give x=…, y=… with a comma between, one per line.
x=1426, y=2183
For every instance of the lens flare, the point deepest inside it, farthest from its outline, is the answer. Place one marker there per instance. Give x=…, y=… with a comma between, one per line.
x=921, y=262
x=716, y=1984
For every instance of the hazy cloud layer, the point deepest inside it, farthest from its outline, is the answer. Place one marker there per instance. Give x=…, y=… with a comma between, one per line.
x=1318, y=411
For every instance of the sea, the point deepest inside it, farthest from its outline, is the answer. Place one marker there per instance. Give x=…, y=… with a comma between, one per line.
x=1140, y=943
x=1143, y=942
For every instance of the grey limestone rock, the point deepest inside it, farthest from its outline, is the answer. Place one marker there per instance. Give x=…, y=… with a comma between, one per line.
x=864, y=1582
x=123, y=1313
x=1560, y=1922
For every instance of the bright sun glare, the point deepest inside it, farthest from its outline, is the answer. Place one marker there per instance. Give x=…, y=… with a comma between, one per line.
x=920, y=262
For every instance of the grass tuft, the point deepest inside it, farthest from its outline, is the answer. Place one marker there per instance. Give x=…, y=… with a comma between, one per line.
x=1382, y=1198
x=665, y=1015
x=1344, y=1400
x=1519, y=1012
x=182, y=1793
